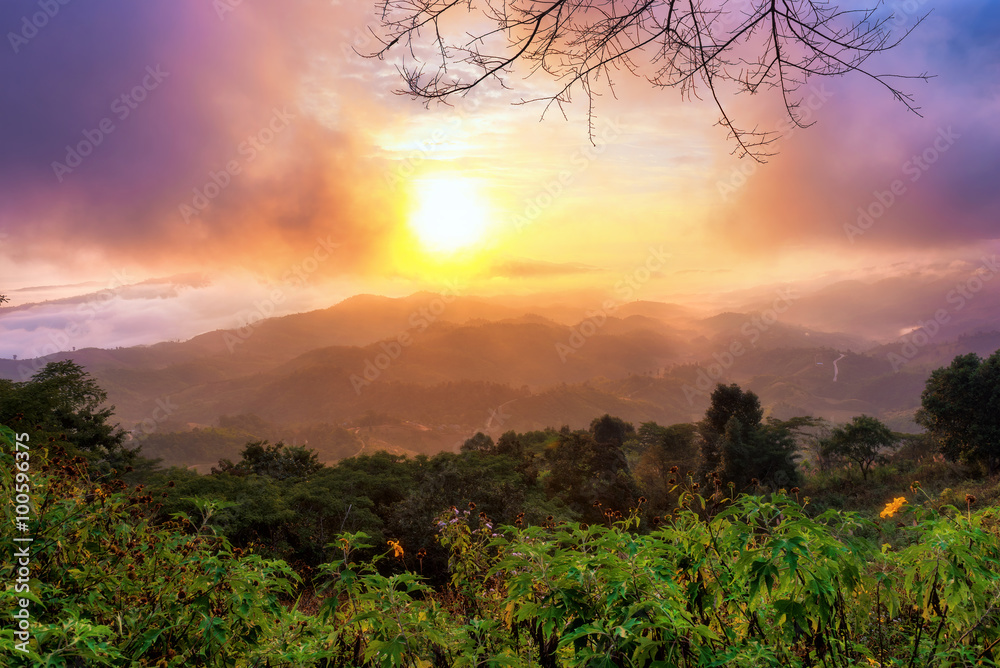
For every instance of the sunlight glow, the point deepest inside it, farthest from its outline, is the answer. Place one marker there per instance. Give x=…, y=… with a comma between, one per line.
x=450, y=213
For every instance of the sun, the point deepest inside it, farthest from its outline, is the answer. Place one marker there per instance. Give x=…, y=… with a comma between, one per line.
x=450, y=213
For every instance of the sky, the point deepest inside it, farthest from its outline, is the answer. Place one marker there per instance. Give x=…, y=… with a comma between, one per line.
x=172, y=167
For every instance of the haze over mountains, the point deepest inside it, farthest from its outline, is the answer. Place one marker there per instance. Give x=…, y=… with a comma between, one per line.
x=424, y=372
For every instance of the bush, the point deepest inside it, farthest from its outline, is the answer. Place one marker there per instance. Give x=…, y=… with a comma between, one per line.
x=110, y=588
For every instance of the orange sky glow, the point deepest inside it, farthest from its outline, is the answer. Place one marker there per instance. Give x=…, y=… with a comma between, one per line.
x=271, y=154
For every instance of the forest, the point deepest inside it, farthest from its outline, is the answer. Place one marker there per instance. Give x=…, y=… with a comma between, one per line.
x=739, y=540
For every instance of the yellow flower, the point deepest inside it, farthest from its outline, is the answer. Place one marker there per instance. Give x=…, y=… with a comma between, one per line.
x=893, y=506
x=397, y=549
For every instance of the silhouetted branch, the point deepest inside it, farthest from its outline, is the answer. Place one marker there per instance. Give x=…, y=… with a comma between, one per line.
x=685, y=44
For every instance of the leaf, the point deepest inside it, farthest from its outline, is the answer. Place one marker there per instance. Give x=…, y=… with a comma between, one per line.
x=148, y=638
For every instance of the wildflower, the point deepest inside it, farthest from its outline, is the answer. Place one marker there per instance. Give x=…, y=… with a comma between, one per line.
x=892, y=507
x=397, y=549
x=672, y=481
x=795, y=490
x=674, y=469
x=915, y=485
x=969, y=499
x=472, y=505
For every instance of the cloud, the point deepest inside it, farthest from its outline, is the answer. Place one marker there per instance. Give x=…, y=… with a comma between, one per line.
x=537, y=268
x=162, y=135
x=870, y=176
x=147, y=312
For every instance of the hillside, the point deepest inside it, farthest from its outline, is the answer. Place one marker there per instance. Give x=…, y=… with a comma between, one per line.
x=449, y=367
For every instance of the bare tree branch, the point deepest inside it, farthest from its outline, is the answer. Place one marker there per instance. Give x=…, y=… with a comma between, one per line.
x=691, y=45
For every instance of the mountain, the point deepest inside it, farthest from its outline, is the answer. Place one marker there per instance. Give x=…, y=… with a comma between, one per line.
x=438, y=368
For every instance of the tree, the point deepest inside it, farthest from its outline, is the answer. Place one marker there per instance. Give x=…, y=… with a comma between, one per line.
x=739, y=447
x=766, y=452
x=663, y=448
x=584, y=471
x=718, y=46
x=479, y=443
x=274, y=461
x=960, y=408
x=63, y=403
x=863, y=441
x=727, y=402
x=613, y=431
x=510, y=444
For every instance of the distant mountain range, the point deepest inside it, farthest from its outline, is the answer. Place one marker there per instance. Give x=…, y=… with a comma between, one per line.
x=437, y=368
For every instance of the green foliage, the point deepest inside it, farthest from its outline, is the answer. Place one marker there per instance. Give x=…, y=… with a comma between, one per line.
x=663, y=453
x=863, y=441
x=591, y=477
x=611, y=431
x=727, y=402
x=510, y=445
x=479, y=443
x=739, y=448
x=759, y=584
x=63, y=403
x=274, y=461
x=110, y=587
x=959, y=409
